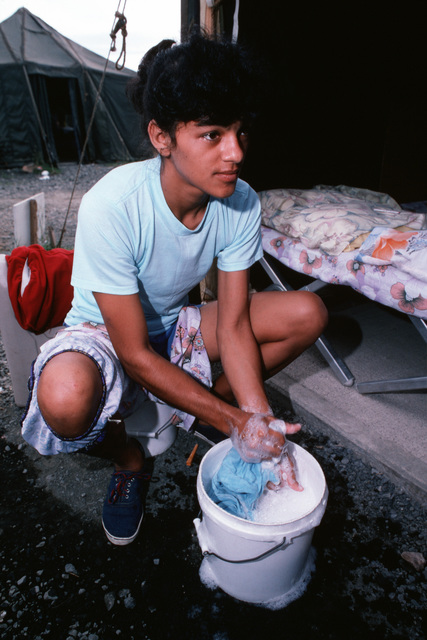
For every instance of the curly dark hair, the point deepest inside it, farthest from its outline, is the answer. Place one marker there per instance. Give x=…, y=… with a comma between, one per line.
x=205, y=79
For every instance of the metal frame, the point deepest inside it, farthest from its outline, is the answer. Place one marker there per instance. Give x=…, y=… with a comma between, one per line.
x=398, y=384
x=337, y=364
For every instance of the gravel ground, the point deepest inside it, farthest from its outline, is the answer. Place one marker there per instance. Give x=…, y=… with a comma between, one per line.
x=61, y=579
x=16, y=185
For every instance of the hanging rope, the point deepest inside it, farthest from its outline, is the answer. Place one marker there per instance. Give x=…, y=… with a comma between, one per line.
x=120, y=26
x=113, y=33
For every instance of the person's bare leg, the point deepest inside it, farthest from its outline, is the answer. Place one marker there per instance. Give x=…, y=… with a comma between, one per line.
x=69, y=393
x=117, y=446
x=284, y=324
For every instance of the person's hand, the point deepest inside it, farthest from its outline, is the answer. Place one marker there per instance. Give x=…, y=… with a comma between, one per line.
x=261, y=437
x=287, y=473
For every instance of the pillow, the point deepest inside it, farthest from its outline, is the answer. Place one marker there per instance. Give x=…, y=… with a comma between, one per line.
x=406, y=250
x=356, y=244
x=329, y=220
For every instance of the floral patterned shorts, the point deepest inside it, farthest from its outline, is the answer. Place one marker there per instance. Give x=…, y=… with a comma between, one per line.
x=120, y=393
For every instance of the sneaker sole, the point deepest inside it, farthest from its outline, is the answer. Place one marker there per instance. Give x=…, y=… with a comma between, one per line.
x=121, y=542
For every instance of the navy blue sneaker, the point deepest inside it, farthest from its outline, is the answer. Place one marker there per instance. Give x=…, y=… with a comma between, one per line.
x=123, y=509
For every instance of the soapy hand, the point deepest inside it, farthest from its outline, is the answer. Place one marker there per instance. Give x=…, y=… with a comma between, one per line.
x=262, y=437
x=287, y=474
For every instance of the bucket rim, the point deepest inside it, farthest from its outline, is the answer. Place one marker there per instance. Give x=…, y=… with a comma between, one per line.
x=260, y=526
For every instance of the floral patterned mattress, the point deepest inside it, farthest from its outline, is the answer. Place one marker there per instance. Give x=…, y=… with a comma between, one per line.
x=389, y=267
x=350, y=236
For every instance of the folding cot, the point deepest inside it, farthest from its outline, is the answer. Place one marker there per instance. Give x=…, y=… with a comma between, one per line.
x=353, y=237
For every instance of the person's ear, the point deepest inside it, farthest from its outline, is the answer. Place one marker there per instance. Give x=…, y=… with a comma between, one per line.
x=160, y=140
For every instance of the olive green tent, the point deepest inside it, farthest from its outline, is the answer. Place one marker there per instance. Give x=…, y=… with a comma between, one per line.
x=48, y=88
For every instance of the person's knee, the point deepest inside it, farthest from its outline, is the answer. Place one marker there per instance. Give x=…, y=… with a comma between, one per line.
x=313, y=314
x=69, y=393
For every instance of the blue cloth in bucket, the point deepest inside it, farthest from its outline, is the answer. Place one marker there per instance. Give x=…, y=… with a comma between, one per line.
x=237, y=484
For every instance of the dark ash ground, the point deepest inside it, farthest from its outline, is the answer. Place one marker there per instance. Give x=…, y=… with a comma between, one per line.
x=61, y=579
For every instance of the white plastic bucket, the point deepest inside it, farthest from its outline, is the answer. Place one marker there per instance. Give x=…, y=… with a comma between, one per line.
x=251, y=561
x=153, y=425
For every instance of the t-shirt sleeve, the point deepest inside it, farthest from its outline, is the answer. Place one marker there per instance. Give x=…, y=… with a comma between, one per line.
x=104, y=248
x=246, y=245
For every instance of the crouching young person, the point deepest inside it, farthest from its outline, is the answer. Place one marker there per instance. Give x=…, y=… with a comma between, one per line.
x=147, y=233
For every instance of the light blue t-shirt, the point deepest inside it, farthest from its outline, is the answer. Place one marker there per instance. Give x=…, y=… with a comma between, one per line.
x=129, y=241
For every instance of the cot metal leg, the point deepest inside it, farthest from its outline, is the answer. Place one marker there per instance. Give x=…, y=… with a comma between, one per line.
x=421, y=326
x=337, y=364
x=400, y=384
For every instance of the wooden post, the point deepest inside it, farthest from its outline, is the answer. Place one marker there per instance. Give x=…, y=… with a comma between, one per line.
x=33, y=222
x=52, y=239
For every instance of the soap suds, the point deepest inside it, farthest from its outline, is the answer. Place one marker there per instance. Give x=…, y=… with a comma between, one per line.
x=208, y=579
x=284, y=505
x=256, y=408
x=258, y=438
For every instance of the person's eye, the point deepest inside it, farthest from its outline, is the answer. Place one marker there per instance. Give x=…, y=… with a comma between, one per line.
x=211, y=135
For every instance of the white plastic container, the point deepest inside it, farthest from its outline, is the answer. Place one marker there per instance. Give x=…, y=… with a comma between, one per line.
x=153, y=425
x=256, y=562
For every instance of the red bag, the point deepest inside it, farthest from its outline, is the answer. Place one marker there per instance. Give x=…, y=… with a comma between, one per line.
x=47, y=297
